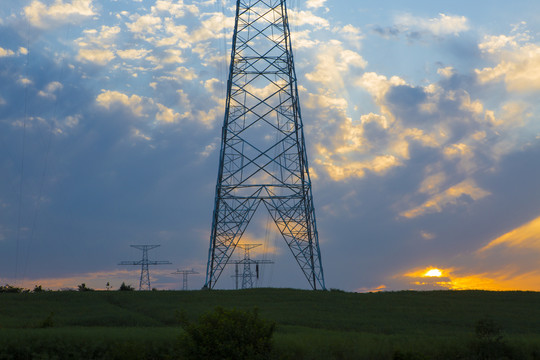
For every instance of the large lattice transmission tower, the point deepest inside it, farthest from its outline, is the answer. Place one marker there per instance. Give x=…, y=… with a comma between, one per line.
x=144, y=282
x=263, y=154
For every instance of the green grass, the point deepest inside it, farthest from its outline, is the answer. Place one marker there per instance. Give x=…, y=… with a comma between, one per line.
x=310, y=325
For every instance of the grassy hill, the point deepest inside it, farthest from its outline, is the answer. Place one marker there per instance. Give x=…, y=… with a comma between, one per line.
x=310, y=325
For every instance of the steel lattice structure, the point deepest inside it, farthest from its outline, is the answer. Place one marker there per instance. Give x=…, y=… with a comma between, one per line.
x=144, y=282
x=263, y=154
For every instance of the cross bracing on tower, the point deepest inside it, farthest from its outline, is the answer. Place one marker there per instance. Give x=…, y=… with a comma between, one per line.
x=144, y=282
x=263, y=154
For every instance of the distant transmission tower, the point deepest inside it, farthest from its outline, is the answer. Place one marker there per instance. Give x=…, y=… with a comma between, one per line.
x=144, y=283
x=184, y=274
x=263, y=155
x=247, y=261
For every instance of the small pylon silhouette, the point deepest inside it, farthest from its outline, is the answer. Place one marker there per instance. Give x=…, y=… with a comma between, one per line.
x=144, y=282
x=184, y=274
x=247, y=261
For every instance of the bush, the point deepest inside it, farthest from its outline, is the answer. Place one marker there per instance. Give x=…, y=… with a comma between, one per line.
x=48, y=321
x=83, y=287
x=125, y=287
x=228, y=334
x=490, y=344
x=10, y=289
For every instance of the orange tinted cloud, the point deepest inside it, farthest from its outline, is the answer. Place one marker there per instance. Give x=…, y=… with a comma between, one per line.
x=526, y=236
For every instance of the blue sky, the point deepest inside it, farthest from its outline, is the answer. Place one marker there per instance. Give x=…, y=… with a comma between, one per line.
x=421, y=122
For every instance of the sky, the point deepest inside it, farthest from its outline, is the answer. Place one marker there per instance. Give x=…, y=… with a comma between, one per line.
x=421, y=120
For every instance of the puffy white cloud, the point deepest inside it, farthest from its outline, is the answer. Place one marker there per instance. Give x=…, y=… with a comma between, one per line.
x=6, y=52
x=446, y=72
x=50, y=89
x=60, y=12
x=142, y=107
x=517, y=60
x=108, y=99
x=352, y=34
x=98, y=56
x=518, y=67
x=176, y=9
x=302, y=18
x=334, y=64
x=24, y=81
x=315, y=4
x=378, y=85
x=132, y=54
x=167, y=115
x=145, y=24
x=98, y=46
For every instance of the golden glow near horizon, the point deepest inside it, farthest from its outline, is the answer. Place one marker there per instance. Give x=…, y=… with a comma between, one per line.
x=433, y=273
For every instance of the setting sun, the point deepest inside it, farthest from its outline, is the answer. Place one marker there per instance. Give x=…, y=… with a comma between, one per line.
x=433, y=273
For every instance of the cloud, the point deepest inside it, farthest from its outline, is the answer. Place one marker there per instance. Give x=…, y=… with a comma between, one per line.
x=177, y=9
x=517, y=60
x=315, y=4
x=334, y=63
x=99, y=46
x=518, y=66
x=508, y=262
x=132, y=54
x=524, y=237
x=141, y=107
x=145, y=24
x=59, y=13
x=97, y=56
x=24, y=81
x=454, y=195
x=414, y=27
x=5, y=53
x=302, y=18
x=461, y=279
x=443, y=25
x=167, y=115
x=109, y=99
x=50, y=89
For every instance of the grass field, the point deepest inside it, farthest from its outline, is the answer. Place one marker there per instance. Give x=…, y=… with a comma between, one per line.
x=310, y=325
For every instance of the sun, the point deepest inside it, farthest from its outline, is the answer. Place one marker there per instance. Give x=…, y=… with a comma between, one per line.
x=433, y=273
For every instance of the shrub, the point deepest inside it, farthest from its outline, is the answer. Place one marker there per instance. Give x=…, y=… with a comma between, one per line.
x=125, y=287
x=490, y=344
x=48, y=321
x=10, y=289
x=228, y=334
x=83, y=287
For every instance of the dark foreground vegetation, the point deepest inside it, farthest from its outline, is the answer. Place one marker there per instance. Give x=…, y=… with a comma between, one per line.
x=269, y=324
